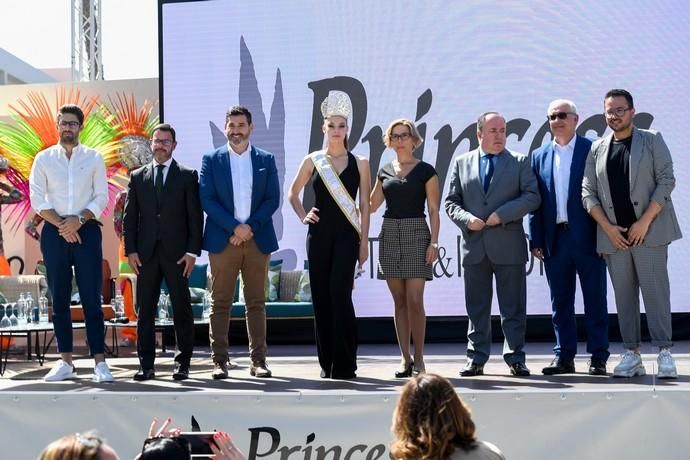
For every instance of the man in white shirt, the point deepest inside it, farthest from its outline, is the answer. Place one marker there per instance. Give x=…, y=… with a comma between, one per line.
x=563, y=236
x=239, y=192
x=69, y=190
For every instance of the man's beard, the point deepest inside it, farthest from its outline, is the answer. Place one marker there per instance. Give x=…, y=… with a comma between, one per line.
x=68, y=138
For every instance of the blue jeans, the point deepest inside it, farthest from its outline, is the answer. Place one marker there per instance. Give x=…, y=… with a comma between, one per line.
x=87, y=259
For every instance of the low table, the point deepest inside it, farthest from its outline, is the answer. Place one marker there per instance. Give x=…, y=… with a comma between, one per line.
x=40, y=346
x=160, y=326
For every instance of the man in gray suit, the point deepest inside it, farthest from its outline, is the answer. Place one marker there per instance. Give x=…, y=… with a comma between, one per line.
x=491, y=190
x=627, y=189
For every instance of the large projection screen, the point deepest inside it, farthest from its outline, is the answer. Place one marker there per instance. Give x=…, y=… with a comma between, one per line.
x=439, y=63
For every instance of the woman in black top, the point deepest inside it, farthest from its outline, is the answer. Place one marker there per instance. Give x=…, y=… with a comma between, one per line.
x=334, y=247
x=407, y=248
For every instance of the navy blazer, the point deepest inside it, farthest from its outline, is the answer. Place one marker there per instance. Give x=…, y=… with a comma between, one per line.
x=215, y=190
x=542, y=222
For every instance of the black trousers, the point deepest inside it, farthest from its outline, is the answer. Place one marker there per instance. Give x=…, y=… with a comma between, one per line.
x=332, y=258
x=151, y=273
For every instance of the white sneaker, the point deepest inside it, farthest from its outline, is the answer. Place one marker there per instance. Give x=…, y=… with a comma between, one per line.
x=101, y=373
x=666, y=365
x=630, y=365
x=61, y=371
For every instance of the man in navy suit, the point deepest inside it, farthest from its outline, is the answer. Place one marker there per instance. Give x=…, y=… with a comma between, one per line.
x=563, y=236
x=239, y=192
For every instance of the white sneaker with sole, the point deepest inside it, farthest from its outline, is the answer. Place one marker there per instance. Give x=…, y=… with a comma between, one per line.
x=61, y=371
x=630, y=365
x=101, y=373
x=666, y=365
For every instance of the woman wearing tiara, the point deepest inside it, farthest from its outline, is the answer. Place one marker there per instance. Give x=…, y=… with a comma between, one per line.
x=406, y=246
x=337, y=238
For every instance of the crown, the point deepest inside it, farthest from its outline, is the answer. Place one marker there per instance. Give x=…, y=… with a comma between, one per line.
x=336, y=104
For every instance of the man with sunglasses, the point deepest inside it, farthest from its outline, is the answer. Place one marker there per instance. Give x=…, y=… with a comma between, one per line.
x=69, y=190
x=162, y=228
x=563, y=236
x=627, y=189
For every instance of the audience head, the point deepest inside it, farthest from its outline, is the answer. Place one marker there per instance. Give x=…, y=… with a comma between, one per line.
x=430, y=420
x=165, y=448
x=82, y=446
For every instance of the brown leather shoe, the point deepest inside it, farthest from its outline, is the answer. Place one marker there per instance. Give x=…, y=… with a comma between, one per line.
x=220, y=370
x=260, y=370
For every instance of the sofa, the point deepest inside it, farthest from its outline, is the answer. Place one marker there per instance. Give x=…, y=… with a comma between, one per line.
x=283, y=307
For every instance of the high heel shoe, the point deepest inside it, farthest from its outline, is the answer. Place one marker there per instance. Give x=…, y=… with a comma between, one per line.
x=405, y=372
x=419, y=369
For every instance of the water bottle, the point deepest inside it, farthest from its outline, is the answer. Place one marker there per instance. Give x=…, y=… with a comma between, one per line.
x=21, y=306
x=119, y=304
x=43, y=309
x=30, y=306
x=206, y=305
x=163, y=307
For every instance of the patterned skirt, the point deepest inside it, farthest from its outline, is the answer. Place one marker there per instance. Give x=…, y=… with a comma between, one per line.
x=402, y=249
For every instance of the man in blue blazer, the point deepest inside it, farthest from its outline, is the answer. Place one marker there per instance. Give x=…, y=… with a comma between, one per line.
x=563, y=236
x=239, y=193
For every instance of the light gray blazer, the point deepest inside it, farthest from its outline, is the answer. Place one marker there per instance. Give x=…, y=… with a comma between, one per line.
x=512, y=194
x=651, y=178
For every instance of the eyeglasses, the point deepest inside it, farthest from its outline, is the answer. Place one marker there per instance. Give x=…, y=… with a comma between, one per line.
x=559, y=115
x=619, y=112
x=400, y=137
x=69, y=124
x=166, y=142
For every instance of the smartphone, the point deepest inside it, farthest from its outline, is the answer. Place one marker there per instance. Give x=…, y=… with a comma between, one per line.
x=200, y=442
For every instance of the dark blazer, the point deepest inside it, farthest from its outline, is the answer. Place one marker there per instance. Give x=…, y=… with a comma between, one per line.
x=542, y=222
x=512, y=194
x=178, y=219
x=216, y=193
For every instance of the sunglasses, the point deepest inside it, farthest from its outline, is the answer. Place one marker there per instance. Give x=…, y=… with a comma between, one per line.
x=559, y=115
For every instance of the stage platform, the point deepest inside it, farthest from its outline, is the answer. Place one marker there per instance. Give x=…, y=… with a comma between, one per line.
x=297, y=415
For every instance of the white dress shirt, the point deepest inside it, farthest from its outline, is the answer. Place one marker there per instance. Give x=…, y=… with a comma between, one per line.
x=166, y=168
x=69, y=185
x=562, y=160
x=242, y=180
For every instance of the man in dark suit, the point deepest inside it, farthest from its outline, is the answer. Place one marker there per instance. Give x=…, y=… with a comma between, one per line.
x=162, y=229
x=239, y=193
x=491, y=190
x=564, y=237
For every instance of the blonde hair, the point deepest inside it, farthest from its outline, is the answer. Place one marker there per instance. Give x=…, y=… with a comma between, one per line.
x=410, y=126
x=86, y=446
x=430, y=421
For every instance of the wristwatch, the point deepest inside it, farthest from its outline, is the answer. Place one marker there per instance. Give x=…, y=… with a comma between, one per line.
x=82, y=219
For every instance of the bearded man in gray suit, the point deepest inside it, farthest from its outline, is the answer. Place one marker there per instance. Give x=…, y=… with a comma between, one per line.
x=627, y=188
x=491, y=190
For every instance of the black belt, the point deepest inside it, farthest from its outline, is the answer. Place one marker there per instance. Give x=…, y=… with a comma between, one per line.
x=562, y=226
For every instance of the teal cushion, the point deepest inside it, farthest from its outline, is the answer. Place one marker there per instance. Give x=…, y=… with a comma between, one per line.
x=278, y=310
x=198, y=277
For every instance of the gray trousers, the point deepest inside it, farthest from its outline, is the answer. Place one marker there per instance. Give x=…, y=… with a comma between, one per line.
x=511, y=290
x=641, y=268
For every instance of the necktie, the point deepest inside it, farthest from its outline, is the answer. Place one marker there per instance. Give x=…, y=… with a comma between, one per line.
x=489, y=172
x=159, y=182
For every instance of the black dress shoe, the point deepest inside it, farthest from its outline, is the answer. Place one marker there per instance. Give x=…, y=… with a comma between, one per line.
x=343, y=375
x=181, y=372
x=559, y=366
x=519, y=369
x=472, y=369
x=144, y=374
x=405, y=372
x=597, y=367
